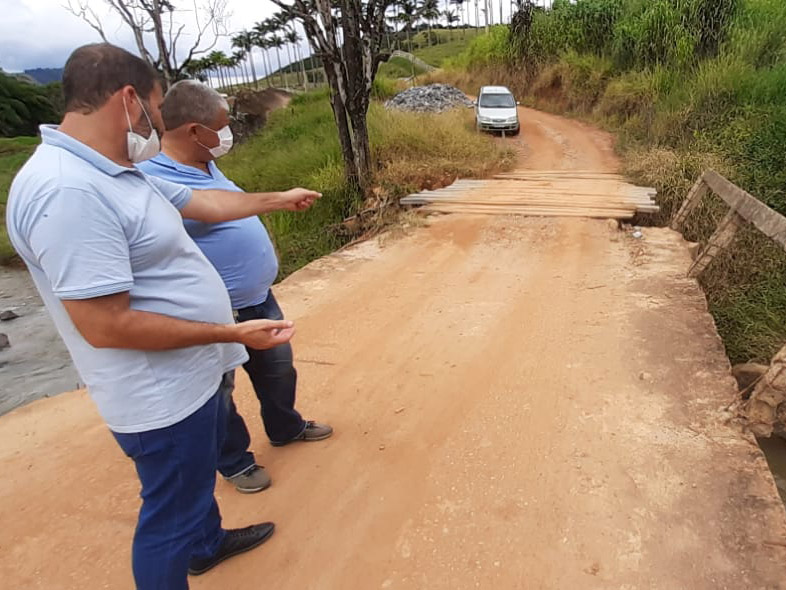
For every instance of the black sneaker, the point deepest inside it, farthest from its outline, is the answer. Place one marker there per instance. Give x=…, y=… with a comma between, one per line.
x=236, y=541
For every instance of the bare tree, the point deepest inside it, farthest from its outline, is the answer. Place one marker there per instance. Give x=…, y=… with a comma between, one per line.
x=347, y=36
x=160, y=18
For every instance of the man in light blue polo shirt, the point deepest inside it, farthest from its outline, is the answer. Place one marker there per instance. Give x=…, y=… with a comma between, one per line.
x=197, y=131
x=144, y=314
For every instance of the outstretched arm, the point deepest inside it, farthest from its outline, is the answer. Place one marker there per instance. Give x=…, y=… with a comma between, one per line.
x=212, y=206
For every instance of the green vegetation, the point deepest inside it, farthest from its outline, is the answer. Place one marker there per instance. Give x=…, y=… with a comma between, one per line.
x=299, y=147
x=13, y=153
x=24, y=106
x=451, y=43
x=686, y=84
x=398, y=67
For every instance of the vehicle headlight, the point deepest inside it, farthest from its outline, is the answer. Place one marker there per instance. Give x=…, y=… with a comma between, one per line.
x=512, y=119
x=484, y=119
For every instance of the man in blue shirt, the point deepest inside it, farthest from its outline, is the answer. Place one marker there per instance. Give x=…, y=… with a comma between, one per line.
x=144, y=314
x=196, y=118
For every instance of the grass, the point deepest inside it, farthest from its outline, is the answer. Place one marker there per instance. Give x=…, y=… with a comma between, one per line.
x=398, y=67
x=299, y=147
x=14, y=152
x=452, y=43
x=686, y=86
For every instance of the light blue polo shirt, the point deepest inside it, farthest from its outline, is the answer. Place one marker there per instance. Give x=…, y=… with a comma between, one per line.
x=240, y=250
x=86, y=227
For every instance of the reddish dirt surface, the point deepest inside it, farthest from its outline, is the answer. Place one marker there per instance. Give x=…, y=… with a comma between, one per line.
x=519, y=403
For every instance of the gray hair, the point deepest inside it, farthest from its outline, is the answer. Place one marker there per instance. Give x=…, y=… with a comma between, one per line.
x=191, y=101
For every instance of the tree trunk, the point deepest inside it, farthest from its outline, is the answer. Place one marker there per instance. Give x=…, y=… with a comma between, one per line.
x=289, y=55
x=220, y=77
x=362, y=149
x=303, y=68
x=244, y=72
x=342, y=124
x=395, y=26
x=253, y=69
x=280, y=69
x=269, y=73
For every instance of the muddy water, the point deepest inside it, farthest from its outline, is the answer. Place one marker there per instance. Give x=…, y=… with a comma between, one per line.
x=775, y=450
x=37, y=364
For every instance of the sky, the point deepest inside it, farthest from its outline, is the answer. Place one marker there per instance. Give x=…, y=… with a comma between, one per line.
x=41, y=33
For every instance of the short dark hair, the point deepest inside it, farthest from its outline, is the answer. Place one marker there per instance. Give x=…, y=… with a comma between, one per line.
x=95, y=72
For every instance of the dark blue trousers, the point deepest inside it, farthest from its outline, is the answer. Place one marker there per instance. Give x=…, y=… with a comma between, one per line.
x=275, y=380
x=179, y=518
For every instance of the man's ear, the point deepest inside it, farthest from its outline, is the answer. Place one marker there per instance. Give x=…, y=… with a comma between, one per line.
x=191, y=130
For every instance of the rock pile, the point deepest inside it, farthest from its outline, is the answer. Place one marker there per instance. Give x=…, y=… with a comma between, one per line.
x=434, y=98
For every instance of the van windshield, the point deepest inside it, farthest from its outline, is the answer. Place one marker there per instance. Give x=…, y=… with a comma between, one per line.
x=497, y=101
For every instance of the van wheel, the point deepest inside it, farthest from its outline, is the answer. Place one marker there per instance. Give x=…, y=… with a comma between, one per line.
x=516, y=132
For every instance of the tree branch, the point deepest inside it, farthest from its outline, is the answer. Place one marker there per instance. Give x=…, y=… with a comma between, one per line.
x=87, y=14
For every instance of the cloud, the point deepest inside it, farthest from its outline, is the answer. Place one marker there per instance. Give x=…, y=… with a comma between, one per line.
x=41, y=33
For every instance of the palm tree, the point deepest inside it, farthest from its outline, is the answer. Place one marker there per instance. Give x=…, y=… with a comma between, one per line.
x=408, y=16
x=295, y=39
x=429, y=10
x=245, y=41
x=217, y=59
x=452, y=19
x=239, y=57
x=394, y=20
x=283, y=21
x=459, y=4
x=227, y=64
x=278, y=43
x=260, y=40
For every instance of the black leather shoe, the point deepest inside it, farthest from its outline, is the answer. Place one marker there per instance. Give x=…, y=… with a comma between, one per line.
x=236, y=541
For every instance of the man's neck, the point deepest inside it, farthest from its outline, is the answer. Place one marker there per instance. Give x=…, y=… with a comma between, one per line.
x=182, y=157
x=92, y=130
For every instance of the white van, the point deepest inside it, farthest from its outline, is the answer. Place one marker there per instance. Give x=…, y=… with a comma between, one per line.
x=495, y=110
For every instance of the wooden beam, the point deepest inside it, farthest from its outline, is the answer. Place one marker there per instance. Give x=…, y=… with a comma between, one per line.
x=722, y=238
x=771, y=223
x=695, y=195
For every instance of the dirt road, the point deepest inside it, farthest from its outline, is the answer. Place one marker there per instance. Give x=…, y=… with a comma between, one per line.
x=519, y=404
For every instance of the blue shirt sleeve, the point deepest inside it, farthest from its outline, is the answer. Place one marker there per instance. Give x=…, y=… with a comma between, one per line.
x=80, y=245
x=177, y=194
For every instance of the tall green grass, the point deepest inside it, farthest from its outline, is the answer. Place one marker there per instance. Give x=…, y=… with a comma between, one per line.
x=686, y=85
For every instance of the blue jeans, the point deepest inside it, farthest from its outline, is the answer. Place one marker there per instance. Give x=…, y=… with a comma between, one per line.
x=275, y=380
x=179, y=518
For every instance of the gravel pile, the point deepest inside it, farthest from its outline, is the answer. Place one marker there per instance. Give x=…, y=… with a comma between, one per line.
x=434, y=98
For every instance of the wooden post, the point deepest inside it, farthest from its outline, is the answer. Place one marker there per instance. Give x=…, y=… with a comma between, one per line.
x=723, y=236
x=764, y=410
x=696, y=194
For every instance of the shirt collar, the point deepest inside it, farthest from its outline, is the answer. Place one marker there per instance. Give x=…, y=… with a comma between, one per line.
x=50, y=135
x=164, y=160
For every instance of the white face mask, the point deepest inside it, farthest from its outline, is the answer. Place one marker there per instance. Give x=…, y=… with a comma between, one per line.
x=225, y=141
x=139, y=148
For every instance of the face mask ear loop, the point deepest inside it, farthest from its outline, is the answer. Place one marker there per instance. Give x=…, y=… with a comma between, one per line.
x=149, y=122
x=202, y=145
x=125, y=107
